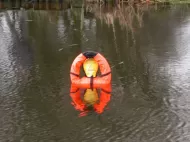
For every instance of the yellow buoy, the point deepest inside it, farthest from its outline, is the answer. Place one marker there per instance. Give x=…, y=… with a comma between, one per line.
x=90, y=67
x=90, y=97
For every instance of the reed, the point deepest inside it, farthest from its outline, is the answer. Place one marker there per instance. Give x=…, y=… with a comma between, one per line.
x=59, y=4
x=127, y=16
x=128, y=2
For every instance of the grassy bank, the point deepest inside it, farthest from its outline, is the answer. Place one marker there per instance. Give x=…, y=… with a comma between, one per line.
x=131, y=2
x=175, y=1
x=62, y=4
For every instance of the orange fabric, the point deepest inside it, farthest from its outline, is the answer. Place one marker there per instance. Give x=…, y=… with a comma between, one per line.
x=104, y=99
x=84, y=82
x=103, y=64
x=104, y=68
x=75, y=68
x=76, y=98
x=77, y=63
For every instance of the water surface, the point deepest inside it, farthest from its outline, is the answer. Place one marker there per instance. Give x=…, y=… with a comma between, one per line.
x=150, y=68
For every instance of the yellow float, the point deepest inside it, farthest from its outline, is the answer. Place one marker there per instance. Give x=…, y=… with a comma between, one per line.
x=90, y=67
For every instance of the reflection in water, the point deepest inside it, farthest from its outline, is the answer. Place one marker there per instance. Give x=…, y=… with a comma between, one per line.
x=150, y=73
x=15, y=63
x=127, y=16
x=177, y=71
x=85, y=100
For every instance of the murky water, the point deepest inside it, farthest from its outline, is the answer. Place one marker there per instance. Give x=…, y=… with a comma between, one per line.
x=150, y=67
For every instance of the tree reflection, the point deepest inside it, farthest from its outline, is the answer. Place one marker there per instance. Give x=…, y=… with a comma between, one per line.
x=122, y=27
x=127, y=16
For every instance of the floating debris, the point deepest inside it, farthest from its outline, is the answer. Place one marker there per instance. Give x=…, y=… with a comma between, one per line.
x=117, y=64
x=61, y=49
x=67, y=47
x=121, y=77
x=28, y=20
x=73, y=45
x=121, y=63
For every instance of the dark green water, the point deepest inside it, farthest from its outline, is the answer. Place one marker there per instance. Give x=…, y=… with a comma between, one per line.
x=150, y=100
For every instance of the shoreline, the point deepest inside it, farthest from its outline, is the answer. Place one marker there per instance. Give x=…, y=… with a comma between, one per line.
x=67, y=5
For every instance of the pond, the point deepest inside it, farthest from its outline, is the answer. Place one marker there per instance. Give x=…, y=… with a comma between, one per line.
x=148, y=49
